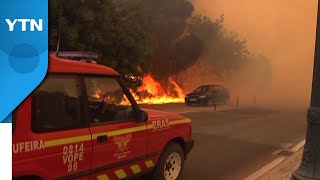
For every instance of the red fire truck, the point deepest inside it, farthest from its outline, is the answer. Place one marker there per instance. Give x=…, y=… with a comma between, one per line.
x=83, y=123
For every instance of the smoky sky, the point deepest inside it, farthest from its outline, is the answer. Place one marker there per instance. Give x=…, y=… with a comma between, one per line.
x=283, y=31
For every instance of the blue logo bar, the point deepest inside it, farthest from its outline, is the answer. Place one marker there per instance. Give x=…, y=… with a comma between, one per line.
x=23, y=51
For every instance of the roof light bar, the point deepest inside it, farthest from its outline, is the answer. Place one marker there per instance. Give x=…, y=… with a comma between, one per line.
x=88, y=57
x=78, y=55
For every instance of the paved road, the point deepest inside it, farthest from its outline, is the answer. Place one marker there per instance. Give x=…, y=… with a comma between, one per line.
x=233, y=145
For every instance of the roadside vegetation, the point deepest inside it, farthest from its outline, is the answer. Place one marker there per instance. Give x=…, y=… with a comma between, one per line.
x=139, y=37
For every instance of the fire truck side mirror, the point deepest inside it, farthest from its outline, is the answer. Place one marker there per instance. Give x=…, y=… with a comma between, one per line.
x=142, y=116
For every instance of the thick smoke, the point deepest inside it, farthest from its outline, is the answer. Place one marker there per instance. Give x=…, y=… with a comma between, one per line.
x=179, y=38
x=284, y=32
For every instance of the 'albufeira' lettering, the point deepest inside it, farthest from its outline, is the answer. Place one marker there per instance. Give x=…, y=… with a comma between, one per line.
x=27, y=146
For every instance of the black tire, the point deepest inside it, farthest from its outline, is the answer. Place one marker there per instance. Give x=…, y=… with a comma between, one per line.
x=159, y=171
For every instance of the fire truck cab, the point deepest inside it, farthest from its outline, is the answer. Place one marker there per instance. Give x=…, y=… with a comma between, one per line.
x=83, y=123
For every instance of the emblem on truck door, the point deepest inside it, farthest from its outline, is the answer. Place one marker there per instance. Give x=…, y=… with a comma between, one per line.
x=122, y=144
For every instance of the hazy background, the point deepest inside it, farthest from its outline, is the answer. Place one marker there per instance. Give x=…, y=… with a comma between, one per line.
x=283, y=31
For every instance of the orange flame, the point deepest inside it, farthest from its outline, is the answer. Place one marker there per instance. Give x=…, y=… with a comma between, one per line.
x=154, y=93
x=151, y=92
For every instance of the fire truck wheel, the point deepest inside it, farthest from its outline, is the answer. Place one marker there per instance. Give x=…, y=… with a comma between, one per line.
x=170, y=164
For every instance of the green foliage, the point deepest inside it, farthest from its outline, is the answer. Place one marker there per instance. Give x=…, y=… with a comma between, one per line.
x=161, y=37
x=98, y=26
x=165, y=23
x=179, y=39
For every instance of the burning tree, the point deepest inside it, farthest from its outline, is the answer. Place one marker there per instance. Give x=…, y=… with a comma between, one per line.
x=148, y=41
x=165, y=23
x=179, y=39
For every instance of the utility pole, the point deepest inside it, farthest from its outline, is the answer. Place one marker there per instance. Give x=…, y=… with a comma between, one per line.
x=310, y=166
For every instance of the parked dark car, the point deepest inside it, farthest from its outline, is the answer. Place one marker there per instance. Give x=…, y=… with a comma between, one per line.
x=208, y=95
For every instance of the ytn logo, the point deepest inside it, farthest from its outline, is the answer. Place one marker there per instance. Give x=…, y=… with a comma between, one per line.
x=24, y=22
